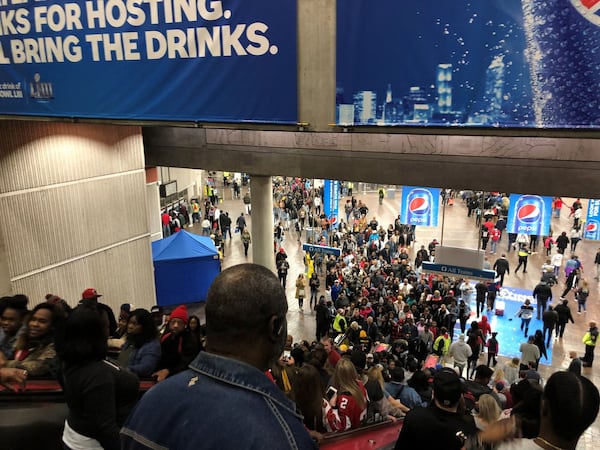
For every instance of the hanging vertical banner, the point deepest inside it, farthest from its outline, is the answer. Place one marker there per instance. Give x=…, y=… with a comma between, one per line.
x=191, y=60
x=331, y=189
x=529, y=214
x=592, y=223
x=420, y=206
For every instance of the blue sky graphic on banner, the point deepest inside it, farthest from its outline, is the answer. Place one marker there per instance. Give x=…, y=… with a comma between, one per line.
x=493, y=63
x=529, y=214
x=592, y=223
x=331, y=191
x=194, y=60
x=420, y=206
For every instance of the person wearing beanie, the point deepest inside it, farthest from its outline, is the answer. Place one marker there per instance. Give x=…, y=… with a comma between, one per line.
x=178, y=345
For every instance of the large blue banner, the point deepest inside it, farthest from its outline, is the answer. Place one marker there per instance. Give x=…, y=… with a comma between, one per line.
x=182, y=60
x=529, y=214
x=492, y=63
x=592, y=223
x=420, y=206
x=331, y=194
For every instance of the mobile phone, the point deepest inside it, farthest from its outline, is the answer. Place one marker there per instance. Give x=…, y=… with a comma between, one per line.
x=286, y=355
x=331, y=391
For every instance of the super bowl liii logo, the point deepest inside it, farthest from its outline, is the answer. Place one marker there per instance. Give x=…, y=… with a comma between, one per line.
x=40, y=90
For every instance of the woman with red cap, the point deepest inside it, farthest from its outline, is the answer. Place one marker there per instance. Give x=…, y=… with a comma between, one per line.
x=178, y=346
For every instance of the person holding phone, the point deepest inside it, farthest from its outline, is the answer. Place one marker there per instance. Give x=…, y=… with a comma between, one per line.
x=347, y=407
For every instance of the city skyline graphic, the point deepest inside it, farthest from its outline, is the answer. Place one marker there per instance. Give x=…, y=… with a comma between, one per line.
x=463, y=63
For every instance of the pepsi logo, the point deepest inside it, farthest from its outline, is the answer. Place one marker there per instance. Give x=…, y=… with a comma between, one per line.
x=529, y=213
x=590, y=9
x=419, y=205
x=591, y=227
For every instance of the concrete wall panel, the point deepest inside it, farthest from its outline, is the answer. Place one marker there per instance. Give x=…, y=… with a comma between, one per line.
x=73, y=210
x=122, y=274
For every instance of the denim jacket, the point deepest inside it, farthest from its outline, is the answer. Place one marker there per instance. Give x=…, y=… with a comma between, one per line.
x=218, y=403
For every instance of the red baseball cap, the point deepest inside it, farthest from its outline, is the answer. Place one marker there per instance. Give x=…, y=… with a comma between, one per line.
x=90, y=293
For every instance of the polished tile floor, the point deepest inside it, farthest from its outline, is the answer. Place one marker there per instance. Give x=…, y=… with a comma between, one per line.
x=456, y=230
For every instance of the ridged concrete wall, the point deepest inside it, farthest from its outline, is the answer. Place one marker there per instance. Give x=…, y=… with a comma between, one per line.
x=73, y=212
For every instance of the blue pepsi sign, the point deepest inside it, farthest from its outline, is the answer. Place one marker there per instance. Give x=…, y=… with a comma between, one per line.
x=331, y=191
x=175, y=60
x=592, y=223
x=419, y=206
x=529, y=214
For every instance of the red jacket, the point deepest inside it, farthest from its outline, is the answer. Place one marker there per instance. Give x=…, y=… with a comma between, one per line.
x=347, y=414
x=485, y=327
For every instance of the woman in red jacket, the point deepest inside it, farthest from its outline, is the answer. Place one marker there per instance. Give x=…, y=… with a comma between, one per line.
x=348, y=407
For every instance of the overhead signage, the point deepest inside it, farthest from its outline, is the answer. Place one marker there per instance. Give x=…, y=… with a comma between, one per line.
x=529, y=214
x=321, y=249
x=458, y=271
x=176, y=60
x=331, y=193
x=492, y=63
x=420, y=206
x=592, y=223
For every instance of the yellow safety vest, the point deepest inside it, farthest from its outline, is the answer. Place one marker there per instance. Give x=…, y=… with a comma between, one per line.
x=336, y=323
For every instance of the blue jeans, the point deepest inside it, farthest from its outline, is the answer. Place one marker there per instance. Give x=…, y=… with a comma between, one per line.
x=525, y=324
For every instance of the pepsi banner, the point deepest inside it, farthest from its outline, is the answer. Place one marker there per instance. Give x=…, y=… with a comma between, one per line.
x=592, y=223
x=331, y=194
x=175, y=60
x=420, y=206
x=492, y=63
x=529, y=214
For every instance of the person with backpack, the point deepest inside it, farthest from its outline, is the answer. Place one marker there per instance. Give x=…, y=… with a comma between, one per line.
x=590, y=339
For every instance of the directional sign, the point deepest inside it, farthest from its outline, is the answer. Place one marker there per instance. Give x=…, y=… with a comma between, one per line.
x=321, y=249
x=458, y=271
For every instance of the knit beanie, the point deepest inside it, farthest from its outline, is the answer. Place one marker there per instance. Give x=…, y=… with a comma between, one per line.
x=180, y=313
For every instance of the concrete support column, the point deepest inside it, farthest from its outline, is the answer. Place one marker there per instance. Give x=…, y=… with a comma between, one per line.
x=262, y=221
x=316, y=63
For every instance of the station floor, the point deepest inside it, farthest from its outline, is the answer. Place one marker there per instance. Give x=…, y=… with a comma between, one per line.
x=458, y=231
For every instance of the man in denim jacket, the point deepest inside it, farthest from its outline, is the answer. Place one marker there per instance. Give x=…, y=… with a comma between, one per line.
x=225, y=400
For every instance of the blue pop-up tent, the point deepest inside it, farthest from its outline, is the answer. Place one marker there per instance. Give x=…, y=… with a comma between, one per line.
x=185, y=265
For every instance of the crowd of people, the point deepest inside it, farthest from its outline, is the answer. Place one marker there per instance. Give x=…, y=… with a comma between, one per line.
x=376, y=295
x=212, y=219
x=97, y=358
x=385, y=348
